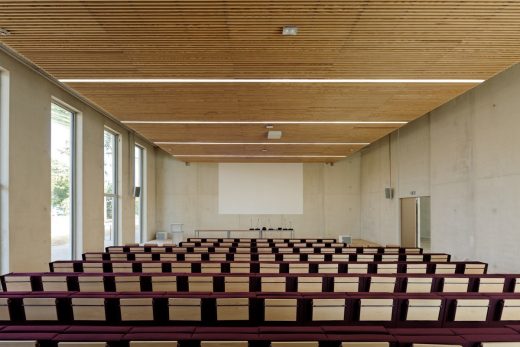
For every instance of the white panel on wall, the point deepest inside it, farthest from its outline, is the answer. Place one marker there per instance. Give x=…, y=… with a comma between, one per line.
x=260, y=188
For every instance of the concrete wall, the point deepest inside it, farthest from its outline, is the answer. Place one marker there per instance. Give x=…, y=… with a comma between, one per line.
x=465, y=155
x=189, y=195
x=25, y=174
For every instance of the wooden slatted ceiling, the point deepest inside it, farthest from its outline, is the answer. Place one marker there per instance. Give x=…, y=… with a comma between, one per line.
x=241, y=39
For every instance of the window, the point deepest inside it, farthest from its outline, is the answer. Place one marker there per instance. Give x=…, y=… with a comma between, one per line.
x=139, y=193
x=111, y=182
x=62, y=182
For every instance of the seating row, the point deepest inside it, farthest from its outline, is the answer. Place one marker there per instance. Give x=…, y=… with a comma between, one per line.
x=324, y=336
x=249, y=309
x=360, y=249
x=267, y=250
x=252, y=240
x=270, y=267
x=180, y=256
x=48, y=282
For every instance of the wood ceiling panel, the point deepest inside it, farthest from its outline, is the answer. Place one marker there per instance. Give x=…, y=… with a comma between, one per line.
x=265, y=102
x=258, y=133
x=452, y=39
x=254, y=149
x=249, y=159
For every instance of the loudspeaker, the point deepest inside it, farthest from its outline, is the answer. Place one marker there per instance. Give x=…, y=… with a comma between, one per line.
x=389, y=193
x=137, y=192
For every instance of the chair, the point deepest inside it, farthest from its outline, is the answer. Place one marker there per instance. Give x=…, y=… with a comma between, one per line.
x=18, y=283
x=280, y=310
x=122, y=267
x=164, y=283
x=475, y=269
x=354, y=268
x=474, y=310
x=298, y=268
x=181, y=267
x=200, y=284
x=266, y=257
x=455, y=285
x=184, y=309
x=423, y=309
x=491, y=285
x=136, y=309
x=376, y=310
x=232, y=309
x=88, y=309
x=210, y=268
x=511, y=310
x=386, y=268
x=328, y=268
x=445, y=269
x=419, y=284
x=40, y=309
x=416, y=268
x=19, y=344
x=382, y=284
x=63, y=266
x=236, y=284
x=93, y=267
x=240, y=268
x=4, y=309
x=310, y=284
x=273, y=269
x=91, y=283
x=273, y=284
x=152, y=267
x=316, y=257
x=346, y=284
x=127, y=283
x=328, y=309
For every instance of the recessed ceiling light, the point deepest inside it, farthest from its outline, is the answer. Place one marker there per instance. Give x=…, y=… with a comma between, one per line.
x=265, y=143
x=257, y=122
x=269, y=126
x=4, y=32
x=290, y=30
x=274, y=135
x=266, y=80
x=264, y=150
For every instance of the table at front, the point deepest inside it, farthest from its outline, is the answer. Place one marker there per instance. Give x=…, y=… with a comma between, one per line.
x=229, y=231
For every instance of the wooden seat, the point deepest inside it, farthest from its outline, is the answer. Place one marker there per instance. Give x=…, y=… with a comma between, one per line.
x=200, y=284
x=152, y=267
x=416, y=268
x=328, y=268
x=310, y=284
x=328, y=309
x=474, y=310
x=210, y=268
x=295, y=344
x=511, y=310
x=300, y=268
x=376, y=310
x=181, y=267
x=236, y=284
x=217, y=257
x=164, y=283
x=316, y=257
x=93, y=267
x=153, y=344
x=475, y=269
x=40, y=309
x=88, y=309
x=192, y=257
x=491, y=285
x=4, y=309
x=382, y=284
x=419, y=285
x=280, y=310
x=269, y=268
x=224, y=343
x=127, y=283
x=455, y=285
x=340, y=257
x=136, y=309
x=445, y=269
x=91, y=283
x=365, y=257
x=122, y=267
x=18, y=283
x=184, y=309
x=354, y=268
x=232, y=309
x=423, y=309
x=390, y=257
x=273, y=284
x=291, y=257
x=19, y=344
x=63, y=267
x=346, y=284
x=82, y=344
x=143, y=256
x=240, y=268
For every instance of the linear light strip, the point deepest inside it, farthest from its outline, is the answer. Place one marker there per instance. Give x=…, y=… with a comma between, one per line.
x=259, y=122
x=265, y=80
x=257, y=156
x=267, y=143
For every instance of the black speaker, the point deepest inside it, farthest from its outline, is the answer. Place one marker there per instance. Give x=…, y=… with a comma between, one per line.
x=137, y=192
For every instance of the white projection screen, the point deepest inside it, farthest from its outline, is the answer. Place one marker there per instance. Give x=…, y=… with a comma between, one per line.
x=260, y=188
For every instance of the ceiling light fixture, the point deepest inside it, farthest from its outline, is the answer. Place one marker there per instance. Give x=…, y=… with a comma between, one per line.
x=268, y=80
x=266, y=143
x=290, y=30
x=257, y=122
x=4, y=32
x=255, y=156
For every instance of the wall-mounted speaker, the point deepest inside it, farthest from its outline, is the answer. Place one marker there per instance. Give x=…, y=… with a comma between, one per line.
x=137, y=192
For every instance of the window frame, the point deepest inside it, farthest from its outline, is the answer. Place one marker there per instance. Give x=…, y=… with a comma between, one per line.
x=73, y=174
x=142, y=192
x=115, y=190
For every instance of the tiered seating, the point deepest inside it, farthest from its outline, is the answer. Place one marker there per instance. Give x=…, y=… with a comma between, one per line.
x=260, y=293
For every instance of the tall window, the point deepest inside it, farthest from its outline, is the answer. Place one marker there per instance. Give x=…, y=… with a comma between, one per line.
x=111, y=183
x=139, y=191
x=62, y=182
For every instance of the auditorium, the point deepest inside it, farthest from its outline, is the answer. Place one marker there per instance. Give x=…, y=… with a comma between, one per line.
x=237, y=173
